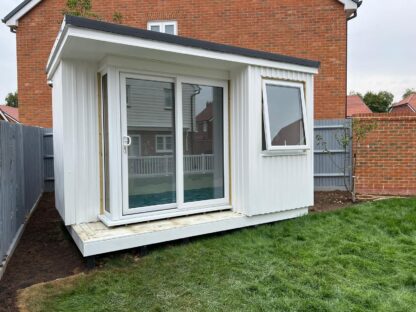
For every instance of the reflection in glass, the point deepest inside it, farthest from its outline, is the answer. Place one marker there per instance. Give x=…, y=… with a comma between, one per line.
x=150, y=124
x=203, y=147
x=285, y=115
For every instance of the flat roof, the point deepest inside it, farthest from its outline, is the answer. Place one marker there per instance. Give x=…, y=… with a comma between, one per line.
x=123, y=30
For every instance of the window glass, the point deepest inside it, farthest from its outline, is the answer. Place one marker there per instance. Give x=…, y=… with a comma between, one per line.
x=134, y=149
x=168, y=99
x=155, y=28
x=203, y=153
x=152, y=176
x=285, y=124
x=170, y=29
x=167, y=27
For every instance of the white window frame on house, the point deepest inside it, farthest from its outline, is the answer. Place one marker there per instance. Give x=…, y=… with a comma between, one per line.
x=164, y=149
x=162, y=25
x=125, y=214
x=266, y=118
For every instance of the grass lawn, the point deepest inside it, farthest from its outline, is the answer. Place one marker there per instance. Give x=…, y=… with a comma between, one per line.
x=356, y=259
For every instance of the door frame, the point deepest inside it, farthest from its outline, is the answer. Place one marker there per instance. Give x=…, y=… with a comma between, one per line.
x=179, y=207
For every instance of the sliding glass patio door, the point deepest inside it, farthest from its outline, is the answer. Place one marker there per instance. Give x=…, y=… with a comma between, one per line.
x=174, y=153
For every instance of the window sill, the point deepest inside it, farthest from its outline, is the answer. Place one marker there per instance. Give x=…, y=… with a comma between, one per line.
x=293, y=152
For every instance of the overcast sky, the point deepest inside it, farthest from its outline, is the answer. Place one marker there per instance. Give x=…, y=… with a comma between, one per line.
x=381, y=48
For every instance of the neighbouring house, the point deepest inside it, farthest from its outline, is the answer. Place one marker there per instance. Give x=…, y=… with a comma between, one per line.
x=9, y=114
x=313, y=29
x=407, y=105
x=356, y=105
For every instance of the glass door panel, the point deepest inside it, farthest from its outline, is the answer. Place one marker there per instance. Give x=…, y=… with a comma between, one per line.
x=150, y=119
x=203, y=142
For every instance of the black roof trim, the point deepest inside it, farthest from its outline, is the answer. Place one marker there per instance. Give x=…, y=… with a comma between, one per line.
x=183, y=41
x=15, y=10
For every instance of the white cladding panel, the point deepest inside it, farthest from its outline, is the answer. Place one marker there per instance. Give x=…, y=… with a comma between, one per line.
x=57, y=103
x=80, y=142
x=264, y=183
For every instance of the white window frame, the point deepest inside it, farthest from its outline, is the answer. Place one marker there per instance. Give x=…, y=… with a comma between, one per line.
x=266, y=120
x=164, y=149
x=179, y=208
x=162, y=25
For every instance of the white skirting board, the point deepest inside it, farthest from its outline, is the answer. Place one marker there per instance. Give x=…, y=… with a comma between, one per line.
x=95, y=238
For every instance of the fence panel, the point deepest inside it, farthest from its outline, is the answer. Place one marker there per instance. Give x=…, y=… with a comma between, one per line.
x=48, y=160
x=329, y=174
x=21, y=181
x=330, y=156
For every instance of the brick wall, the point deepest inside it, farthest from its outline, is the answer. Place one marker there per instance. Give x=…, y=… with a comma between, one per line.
x=313, y=29
x=386, y=158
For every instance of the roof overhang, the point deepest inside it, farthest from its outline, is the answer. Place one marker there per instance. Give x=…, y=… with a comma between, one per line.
x=92, y=40
x=351, y=6
x=12, y=19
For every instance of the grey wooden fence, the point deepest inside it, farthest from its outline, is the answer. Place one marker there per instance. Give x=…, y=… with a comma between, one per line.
x=331, y=157
x=21, y=180
x=48, y=171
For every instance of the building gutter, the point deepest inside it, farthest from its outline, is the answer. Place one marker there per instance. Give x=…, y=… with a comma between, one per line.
x=355, y=14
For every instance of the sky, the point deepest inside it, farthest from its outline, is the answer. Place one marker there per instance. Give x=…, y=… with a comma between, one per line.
x=381, y=48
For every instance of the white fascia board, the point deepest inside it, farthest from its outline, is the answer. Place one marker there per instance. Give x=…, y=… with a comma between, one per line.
x=54, y=57
x=75, y=32
x=349, y=6
x=13, y=21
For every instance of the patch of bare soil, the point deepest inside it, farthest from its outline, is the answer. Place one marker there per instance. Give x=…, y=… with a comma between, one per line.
x=327, y=201
x=45, y=252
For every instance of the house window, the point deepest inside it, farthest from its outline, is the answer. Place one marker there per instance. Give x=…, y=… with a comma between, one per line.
x=168, y=98
x=164, y=143
x=284, y=115
x=167, y=27
x=134, y=148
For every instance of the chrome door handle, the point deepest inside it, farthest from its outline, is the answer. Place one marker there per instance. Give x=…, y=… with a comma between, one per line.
x=126, y=143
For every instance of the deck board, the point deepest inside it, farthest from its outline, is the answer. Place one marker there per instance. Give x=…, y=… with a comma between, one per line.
x=94, y=231
x=96, y=238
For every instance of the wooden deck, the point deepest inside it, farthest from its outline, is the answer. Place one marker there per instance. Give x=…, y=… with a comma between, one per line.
x=96, y=238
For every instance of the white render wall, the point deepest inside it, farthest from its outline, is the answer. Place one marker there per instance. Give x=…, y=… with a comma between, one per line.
x=76, y=142
x=264, y=183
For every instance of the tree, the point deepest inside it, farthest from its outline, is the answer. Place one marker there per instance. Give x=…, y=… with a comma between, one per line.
x=79, y=8
x=11, y=100
x=356, y=93
x=408, y=92
x=378, y=102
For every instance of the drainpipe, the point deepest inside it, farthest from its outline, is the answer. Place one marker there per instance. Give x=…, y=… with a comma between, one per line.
x=358, y=3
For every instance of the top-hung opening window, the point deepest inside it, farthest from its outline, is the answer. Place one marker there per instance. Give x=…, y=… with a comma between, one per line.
x=284, y=115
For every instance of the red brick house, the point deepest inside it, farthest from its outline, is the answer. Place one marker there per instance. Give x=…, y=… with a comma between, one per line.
x=313, y=29
x=356, y=105
x=407, y=105
x=9, y=114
